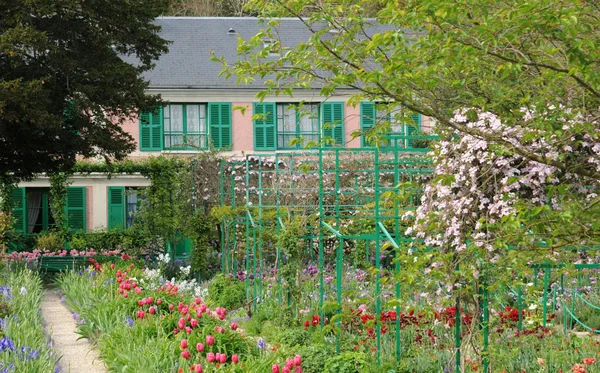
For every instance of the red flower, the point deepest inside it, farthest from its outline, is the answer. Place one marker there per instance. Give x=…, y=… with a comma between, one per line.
x=589, y=361
x=235, y=358
x=185, y=354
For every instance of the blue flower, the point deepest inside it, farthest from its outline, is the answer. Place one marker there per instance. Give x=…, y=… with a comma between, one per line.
x=5, y=292
x=6, y=344
x=129, y=321
x=261, y=344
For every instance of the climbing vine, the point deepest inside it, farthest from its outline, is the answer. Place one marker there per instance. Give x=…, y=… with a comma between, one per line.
x=59, y=182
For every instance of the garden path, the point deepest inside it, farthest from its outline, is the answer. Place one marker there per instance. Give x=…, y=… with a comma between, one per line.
x=78, y=356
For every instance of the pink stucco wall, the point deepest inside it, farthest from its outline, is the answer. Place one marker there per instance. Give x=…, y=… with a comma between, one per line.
x=351, y=124
x=242, y=128
x=131, y=126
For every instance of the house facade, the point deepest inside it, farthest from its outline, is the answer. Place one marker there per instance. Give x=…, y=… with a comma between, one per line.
x=204, y=111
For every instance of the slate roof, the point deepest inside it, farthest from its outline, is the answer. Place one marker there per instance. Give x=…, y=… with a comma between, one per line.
x=188, y=65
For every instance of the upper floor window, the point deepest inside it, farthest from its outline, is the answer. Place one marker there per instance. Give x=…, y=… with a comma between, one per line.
x=187, y=127
x=401, y=130
x=276, y=125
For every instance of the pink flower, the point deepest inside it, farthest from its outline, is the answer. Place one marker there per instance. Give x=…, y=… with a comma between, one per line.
x=171, y=307
x=199, y=347
x=152, y=310
x=298, y=360
x=138, y=290
x=140, y=314
x=184, y=343
x=298, y=369
x=210, y=357
x=185, y=354
x=194, y=323
x=149, y=300
x=275, y=368
x=210, y=340
x=589, y=361
x=188, y=330
x=289, y=363
x=198, y=368
x=235, y=358
x=286, y=370
x=219, y=329
x=234, y=326
x=223, y=358
x=198, y=300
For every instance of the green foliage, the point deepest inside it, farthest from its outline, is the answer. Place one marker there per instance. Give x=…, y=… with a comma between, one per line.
x=346, y=362
x=315, y=356
x=51, y=241
x=70, y=72
x=133, y=240
x=227, y=292
x=59, y=182
x=293, y=337
x=7, y=231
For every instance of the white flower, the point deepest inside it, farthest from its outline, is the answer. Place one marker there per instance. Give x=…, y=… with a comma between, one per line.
x=533, y=306
x=23, y=290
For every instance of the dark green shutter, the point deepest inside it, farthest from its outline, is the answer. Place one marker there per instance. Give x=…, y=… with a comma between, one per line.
x=265, y=128
x=151, y=130
x=75, y=209
x=368, y=118
x=18, y=208
x=116, y=207
x=333, y=112
x=413, y=128
x=219, y=115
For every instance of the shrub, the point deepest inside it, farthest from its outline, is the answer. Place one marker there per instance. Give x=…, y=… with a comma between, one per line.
x=227, y=292
x=314, y=357
x=293, y=337
x=347, y=362
x=51, y=241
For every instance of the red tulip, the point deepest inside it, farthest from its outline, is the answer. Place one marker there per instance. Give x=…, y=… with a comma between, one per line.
x=149, y=300
x=234, y=326
x=298, y=360
x=235, y=358
x=199, y=347
x=171, y=307
x=188, y=330
x=140, y=314
x=185, y=354
x=217, y=357
x=298, y=369
x=223, y=358
x=198, y=368
x=184, y=343
x=159, y=301
x=194, y=323
x=275, y=368
x=219, y=329
x=138, y=290
x=286, y=370
x=141, y=303
x=210, y=340
x=152, y=310
x=125, y=295
x=210, y=357
x=112, y=266
x=198, y=300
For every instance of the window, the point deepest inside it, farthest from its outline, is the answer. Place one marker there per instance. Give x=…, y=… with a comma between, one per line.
x=276, y=125
x=295, y=122
x=186, y=126
x=123, y=204
x=32, y=213
x=397, y=137
x=39, y=216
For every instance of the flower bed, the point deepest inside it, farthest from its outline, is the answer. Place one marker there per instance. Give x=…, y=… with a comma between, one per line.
x=24, y=347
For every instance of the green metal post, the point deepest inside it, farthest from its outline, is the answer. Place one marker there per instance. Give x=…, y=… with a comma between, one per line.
x=545, y=305
x=398, y=325
x=321, y=248
x=457, y=335
x=339, y=274
x=377, y=260
x=486, y=329
x=519, y=296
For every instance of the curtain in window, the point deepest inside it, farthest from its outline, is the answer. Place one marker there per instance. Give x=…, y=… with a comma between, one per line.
x=34, y=206
x=286, y=125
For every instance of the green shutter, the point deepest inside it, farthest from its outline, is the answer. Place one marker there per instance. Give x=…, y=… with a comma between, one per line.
x=219, y=115
x=368, y=118
x=151, y=130
x=75, y=209
x=265, y=133
x=333, y=112
x=116, y=207
x=18, y=209
x=413, y=128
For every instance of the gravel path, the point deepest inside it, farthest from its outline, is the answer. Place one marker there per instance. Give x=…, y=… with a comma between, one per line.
x=77, y=355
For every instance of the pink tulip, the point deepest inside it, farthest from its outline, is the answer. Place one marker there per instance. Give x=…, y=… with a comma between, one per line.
x=185, y=354
x=199, y=347
x=149, y=300
x=138, y=290
x=188, y=330
x=298, y=360
x=198, y=368
x=184, y=343
x=140, y=314
x=125, y=295
x=275, y=368
x=223, y=358
x=210, y=340
x=217, y=357
x=141, y=303
x=151, y=310
x=159, y=301
x=210, y=357
x=194, y=323
x=234, y=326
x=235, y=358
x=298, y=369
x=198, y=300
x=290, y=363
x=171, y=307
x=286, y=370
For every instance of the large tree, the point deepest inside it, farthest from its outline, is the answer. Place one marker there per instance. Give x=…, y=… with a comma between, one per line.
x=514, y=85
x=65, y=87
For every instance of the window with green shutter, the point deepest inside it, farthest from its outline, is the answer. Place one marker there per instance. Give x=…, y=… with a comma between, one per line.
x=185, y=127
x=75, y=209
x=116, y=207
x=220, y=118
x=332, y=119
x=151, y=130
x=265, y=132
x=399, y=129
